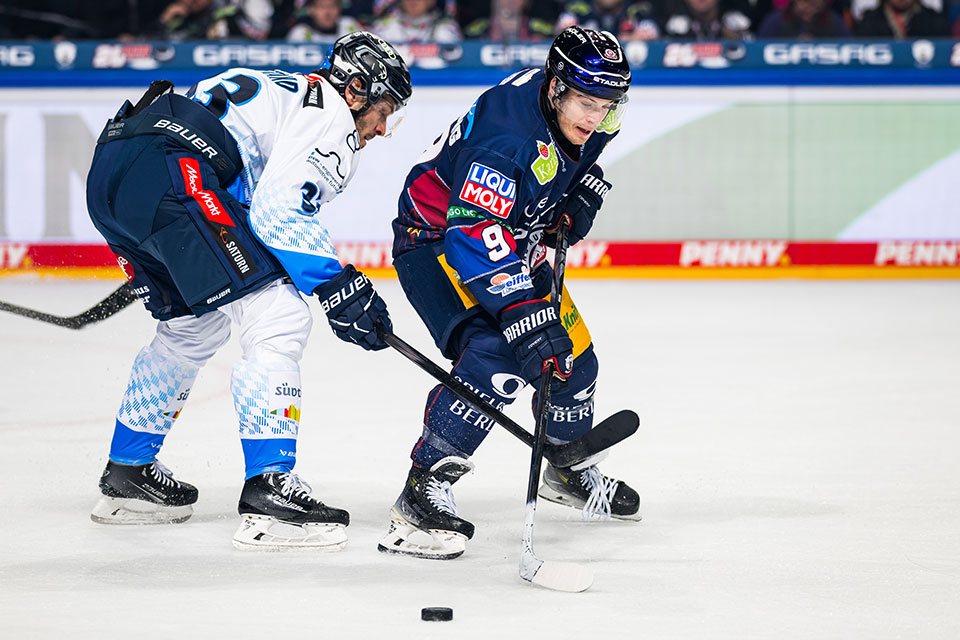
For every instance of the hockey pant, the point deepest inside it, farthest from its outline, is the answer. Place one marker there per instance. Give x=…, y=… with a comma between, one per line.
x=488, y=365
x=273, y=323
x=173, y=218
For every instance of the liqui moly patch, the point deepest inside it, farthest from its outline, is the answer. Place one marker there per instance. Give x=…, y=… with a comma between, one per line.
x=490, y=190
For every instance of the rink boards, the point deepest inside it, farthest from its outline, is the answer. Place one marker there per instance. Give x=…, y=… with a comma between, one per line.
x=601, y=259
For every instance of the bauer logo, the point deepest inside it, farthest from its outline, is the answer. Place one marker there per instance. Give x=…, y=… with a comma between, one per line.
x=489, y=190
x=505, y=284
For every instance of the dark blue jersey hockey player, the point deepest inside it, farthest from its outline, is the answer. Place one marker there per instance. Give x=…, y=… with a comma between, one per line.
x=474, y=216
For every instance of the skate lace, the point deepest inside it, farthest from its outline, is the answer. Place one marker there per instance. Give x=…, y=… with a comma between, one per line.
x=602, y=490
x=294, y=486
x=440, y=495
x=162, y=474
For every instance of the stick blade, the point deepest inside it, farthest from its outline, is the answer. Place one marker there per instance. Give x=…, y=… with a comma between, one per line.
x=604, y=435
x=563, y=576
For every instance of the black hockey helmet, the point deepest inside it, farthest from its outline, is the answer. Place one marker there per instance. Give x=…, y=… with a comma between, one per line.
x=589, y=61
x=368, y=58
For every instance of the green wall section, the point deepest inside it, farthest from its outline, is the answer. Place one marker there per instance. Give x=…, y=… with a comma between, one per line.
x=793, y=171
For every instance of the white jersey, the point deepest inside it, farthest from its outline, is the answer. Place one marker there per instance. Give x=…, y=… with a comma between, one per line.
x=299, y=145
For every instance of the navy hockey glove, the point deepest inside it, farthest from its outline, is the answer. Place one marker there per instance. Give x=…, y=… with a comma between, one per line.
x=580, y=208
x=536, y=334
x=353, y=308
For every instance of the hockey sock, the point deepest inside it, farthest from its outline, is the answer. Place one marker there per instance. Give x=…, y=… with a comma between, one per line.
x=570, y=415
x=268, y=407
x=158, y=387
x=451, y=428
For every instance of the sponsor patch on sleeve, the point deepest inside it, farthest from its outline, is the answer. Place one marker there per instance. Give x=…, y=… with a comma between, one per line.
x=490, y=190
x=505, y=284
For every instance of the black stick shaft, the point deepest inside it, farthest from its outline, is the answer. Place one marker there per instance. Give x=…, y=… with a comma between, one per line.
x=546, y=378
x=462, y=391
x=116, y=301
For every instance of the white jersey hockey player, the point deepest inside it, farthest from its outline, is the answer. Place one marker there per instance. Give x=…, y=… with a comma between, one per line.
x=210, y=202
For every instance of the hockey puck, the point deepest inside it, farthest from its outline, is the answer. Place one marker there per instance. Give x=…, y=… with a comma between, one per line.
x=442, y=614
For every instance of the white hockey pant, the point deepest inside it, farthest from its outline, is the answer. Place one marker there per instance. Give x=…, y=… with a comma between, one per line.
x=273, y=324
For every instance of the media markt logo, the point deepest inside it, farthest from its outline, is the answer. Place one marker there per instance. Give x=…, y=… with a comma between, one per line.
x=545, y=166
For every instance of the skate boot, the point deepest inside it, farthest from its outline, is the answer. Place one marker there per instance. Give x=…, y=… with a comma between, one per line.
x=279, y=513
x=585, y=488
x=424, y=521
x=142, y=494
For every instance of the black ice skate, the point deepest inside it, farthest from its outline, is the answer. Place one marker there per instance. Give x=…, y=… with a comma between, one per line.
x=598, y=496
x=142, y=494
x=279, y=513
x=426, y=508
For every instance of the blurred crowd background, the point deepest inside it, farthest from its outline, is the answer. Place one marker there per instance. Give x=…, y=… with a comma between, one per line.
x=450, y=21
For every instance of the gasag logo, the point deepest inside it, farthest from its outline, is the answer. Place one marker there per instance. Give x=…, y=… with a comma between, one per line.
x=489, y=189
x=826, y=53
x=17, y=55
x=545, y=166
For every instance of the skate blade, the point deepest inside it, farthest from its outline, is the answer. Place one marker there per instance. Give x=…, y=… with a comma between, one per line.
x=442, y=545
x=550, y=494
x=133, y=511
x=265, y=533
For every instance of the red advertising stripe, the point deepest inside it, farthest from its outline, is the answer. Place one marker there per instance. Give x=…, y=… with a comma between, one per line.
x=590, y=258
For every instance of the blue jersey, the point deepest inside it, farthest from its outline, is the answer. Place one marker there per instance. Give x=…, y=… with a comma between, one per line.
x=489, y=186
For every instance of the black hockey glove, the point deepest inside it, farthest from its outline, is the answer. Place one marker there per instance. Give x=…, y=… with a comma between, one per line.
x=353, y=308
x=537, y=335
x=580, y=208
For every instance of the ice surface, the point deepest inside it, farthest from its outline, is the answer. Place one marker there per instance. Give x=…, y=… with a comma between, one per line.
x=798, y=462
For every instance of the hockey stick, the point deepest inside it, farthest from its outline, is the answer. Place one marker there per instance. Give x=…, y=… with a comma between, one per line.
x=604, y=435
x=124, y=296
x=560, y=576
x=116, y=301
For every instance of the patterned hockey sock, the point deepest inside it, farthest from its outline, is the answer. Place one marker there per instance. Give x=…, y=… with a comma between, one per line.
x=268, y=408
x=451, y=428
x=158, y=387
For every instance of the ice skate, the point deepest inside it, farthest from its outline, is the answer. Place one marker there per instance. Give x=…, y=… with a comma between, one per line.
x=142, y=494
x=279, y=514
x=585, y=488
x=424, y=521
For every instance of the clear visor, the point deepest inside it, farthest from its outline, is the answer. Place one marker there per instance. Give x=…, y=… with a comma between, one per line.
x=386, y=109
x=604, y=115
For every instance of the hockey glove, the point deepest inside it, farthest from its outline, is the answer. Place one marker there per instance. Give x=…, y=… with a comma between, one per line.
x=536, y=334
x=580, y=208
x=353, y=308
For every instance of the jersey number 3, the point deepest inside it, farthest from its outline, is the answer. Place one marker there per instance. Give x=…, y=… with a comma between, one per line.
x=243, y=88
